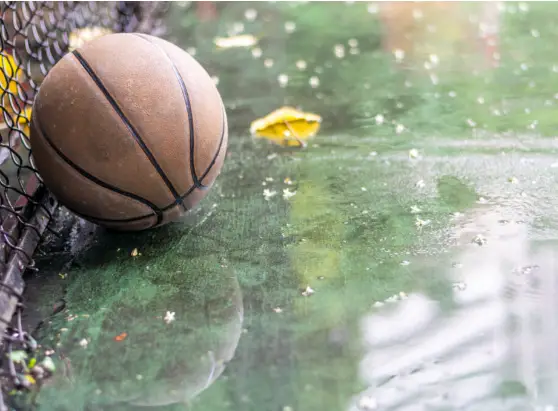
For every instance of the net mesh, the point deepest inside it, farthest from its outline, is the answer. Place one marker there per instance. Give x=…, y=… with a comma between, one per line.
x=33, y=37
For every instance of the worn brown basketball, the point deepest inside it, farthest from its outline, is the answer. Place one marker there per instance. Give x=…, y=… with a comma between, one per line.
x=128, y=131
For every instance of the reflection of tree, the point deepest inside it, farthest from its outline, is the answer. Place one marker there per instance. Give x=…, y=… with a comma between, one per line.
x=458, y=357
x=157, y=363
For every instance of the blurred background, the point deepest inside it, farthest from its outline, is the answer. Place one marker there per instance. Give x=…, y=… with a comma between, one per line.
x=436, y=67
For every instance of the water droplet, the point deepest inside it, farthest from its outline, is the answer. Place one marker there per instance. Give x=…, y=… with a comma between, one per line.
x=399, y=128
x=535, y=33
x=191, y=51
x=290, y=27
x=339, y=51
x=480, y=100
x=452, y=94
x=353, y=42
x=314, y=81
x=250, y=14
x=215, y=80
x=268, y=63
x=257, y=52
x=301, y=65
x=533, y=125
x=379, y=119
x=399, y=55
x=283, y=80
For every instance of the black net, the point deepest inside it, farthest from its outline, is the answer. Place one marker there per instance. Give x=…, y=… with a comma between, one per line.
x=33, y=37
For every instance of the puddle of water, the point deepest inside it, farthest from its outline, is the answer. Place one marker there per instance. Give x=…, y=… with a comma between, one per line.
x=404, y=261
x=499, y=334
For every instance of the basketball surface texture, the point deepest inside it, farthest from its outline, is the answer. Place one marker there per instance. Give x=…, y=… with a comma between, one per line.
x=128, y=131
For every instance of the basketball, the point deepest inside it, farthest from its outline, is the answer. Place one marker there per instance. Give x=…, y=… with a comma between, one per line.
x=128, y=131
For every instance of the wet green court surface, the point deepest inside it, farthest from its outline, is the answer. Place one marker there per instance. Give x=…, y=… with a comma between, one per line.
x=405, y=260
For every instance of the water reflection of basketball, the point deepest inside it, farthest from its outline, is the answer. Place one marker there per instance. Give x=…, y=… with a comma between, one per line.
x=128, y=131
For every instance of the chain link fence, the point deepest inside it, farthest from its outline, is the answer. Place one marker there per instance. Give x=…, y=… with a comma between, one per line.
x=33, y=37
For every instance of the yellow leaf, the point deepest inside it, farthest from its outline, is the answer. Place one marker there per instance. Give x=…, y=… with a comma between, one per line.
x=10, y=73
x=287, y=126
x=10, y=76
x=30, y=379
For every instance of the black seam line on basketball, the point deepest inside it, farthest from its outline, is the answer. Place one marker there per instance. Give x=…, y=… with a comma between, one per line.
x=208, y=169
x=186, y=194
x=214, y=159
x=94, y=179
x=128, y=125
x=186, y=97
